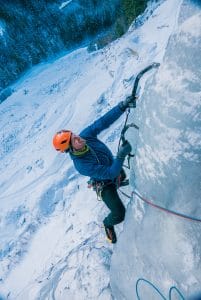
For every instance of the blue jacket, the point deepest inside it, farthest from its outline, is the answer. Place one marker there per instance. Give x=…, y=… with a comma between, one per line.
x=98, y=163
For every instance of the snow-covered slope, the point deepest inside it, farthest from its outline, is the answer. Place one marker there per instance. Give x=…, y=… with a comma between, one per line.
x=52, y=243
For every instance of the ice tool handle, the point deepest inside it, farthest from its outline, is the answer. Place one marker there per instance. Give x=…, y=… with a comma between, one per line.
x=125, y=129
x=123, y=139
x=134, y=91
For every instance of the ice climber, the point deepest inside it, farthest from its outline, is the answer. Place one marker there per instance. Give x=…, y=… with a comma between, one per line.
x=91, y=157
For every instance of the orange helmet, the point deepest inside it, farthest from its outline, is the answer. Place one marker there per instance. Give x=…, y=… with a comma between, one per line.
x=61, y=140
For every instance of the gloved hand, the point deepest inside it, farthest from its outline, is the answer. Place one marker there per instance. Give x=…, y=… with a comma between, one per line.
x=124, y=150
x=128, y=102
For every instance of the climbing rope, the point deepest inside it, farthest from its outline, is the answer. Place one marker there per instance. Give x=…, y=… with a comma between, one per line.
x=173, y=288
x=166, y=209
x=190, y=218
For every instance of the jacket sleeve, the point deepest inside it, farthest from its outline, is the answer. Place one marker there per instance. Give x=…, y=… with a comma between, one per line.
x=104, y=122
x=102, y=172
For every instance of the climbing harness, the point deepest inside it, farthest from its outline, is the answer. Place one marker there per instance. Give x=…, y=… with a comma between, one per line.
x=173, y=288
x=98, y=186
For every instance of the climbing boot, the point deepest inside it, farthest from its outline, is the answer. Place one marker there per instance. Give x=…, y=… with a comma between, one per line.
x=110, y=233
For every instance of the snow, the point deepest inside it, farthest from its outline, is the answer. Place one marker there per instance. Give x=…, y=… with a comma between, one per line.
x=2, y=28
x=1, y=31
x=52, y=242
x=64, y=4
x=192, y=26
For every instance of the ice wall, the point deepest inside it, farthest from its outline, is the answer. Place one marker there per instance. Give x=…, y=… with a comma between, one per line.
x=156, y=245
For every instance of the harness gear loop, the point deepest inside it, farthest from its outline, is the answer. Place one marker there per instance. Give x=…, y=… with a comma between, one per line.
x=98, y=186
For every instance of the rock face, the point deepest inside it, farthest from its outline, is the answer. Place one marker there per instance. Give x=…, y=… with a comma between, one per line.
x=31, y=31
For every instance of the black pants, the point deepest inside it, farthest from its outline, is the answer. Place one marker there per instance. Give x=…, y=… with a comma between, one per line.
x=111, y=198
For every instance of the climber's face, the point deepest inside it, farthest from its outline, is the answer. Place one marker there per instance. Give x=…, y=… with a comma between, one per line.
x=77, y=143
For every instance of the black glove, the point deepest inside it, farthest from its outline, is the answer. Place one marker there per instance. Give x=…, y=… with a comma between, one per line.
x=130, y=101
x=124, y=150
